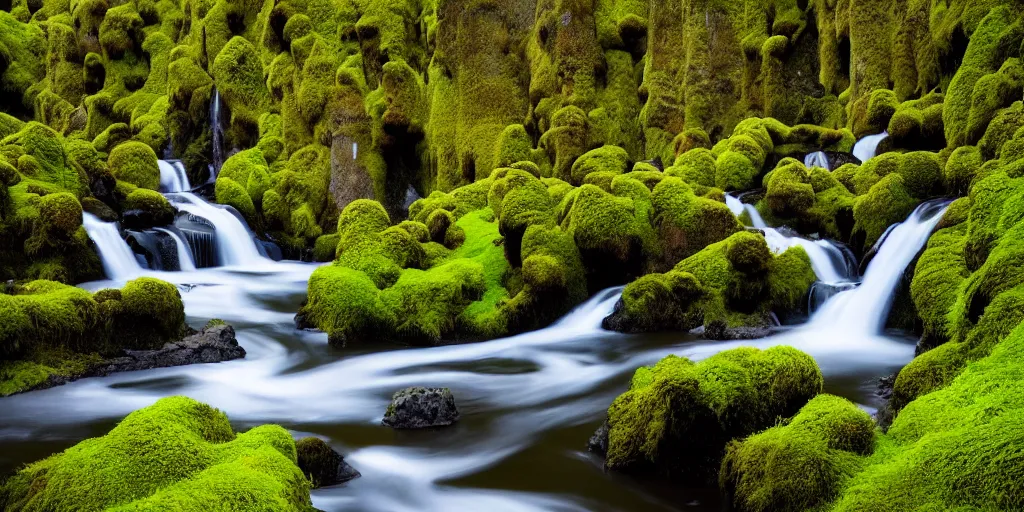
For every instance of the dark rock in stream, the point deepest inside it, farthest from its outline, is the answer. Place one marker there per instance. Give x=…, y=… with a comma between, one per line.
x=322, y=464
x=719, y=332
x=421, y=408
x=598, y=442
x=213, y=344
x=885, y=414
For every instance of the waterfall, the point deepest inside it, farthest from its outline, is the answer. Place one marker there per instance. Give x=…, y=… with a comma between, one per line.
x=236, y=245
x=863, y=310
x=185, y=263
x=119, y=261
x=218, y=135
x=827, y=260
x=817, y=159
x=866, y=148
x=173, y=177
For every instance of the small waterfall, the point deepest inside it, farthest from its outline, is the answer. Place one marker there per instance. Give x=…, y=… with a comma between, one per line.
x=119, y=261
x=827, y=260
x=185, y=262
x=236, y=245
x=173, y=177
x=863, y=310
x=866, y=148
x=218, y=135
x=817, y=159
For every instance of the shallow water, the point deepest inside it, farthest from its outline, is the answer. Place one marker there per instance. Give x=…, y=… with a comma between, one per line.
x=528, y=402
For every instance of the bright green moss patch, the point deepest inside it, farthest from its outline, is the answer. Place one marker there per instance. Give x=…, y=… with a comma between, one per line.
x=191, y=458
x=734, y=283
x=677, y=416
x=135, y=163
x=801, y=464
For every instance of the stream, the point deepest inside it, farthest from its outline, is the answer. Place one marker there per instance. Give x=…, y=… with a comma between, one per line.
x=528, y=402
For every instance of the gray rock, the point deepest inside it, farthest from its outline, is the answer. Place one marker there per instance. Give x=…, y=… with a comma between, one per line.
x=421, y=408
x=322, y=464
x=213, y=344
x=598, y=442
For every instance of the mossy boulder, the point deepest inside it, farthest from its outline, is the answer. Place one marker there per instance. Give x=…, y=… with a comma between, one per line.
x=135, y=163
x=321, y=464
x=734, y=283
x=193, y=459
x=144, y=208
x=677, y=416
x=801, y=464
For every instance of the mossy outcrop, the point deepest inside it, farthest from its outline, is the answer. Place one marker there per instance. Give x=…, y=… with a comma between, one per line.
x=734, y=283
x=192, y=459
x=52, y=330
x=677, y=416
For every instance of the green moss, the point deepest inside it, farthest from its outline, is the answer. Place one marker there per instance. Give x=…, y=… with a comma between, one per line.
x=229, y=192
x=153, y=203
x=886, y=203
x=238, y=73
x=151, y=313
x=135, y=163
x=962, y=167
x=802, y=464
x=685, y=223
x=677, y=416
x=736, y=282
x=194, y=459
x=611, y=159
x=326, y=247
x=959, y=442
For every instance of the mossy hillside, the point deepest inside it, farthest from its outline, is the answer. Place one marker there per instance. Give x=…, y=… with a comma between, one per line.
x=959, y=442
x=801, y=464
x=52, y=328
x=734, y=283
x=677, y=416
x=192, y=458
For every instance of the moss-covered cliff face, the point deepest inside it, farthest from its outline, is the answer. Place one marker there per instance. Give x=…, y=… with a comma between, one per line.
x=349, y=99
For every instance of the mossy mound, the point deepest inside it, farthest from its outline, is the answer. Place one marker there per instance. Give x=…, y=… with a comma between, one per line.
x=801, y=464
x=175, y=454
x=51, y=329
x=678, y=416
x=735, y=283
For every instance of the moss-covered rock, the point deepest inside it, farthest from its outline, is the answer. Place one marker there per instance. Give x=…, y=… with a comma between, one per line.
x=135, y=163
x=733, y=283
x=801, y=464
x=194, y=459
x=678, y=416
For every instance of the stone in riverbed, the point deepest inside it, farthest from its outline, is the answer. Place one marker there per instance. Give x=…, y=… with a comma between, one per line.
x=322, y=464
x=421, y=408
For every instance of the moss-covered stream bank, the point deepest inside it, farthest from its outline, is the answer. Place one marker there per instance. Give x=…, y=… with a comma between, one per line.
x=528, y=402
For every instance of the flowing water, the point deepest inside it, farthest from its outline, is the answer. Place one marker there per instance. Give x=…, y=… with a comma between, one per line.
x=866, y=148
x=529, y=402
x=829, y=262
x=218, y=136
x=118, y=259
x=817, y=159
x=236, y=245
x=173, y=177
x=185, y=261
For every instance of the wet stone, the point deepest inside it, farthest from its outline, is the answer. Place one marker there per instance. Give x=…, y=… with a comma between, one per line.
x=418, y=407
x=322, y=464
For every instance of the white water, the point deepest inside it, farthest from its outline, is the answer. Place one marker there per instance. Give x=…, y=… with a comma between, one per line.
x=119, y=261
x=864, y=309
x=173, y=177
x=185, y=262
x=817, y=159
x=236, y=245
x=866, y=148
x=215, y=128
x=827, y=260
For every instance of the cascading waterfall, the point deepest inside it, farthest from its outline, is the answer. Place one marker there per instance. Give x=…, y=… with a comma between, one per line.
x=863, y=310
x=827, y=260
x=218, y=135
x=185, y=263
x=119, y=261
x=866, y=148
x=235, y=243
x=173, y=177
x=817, y=159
